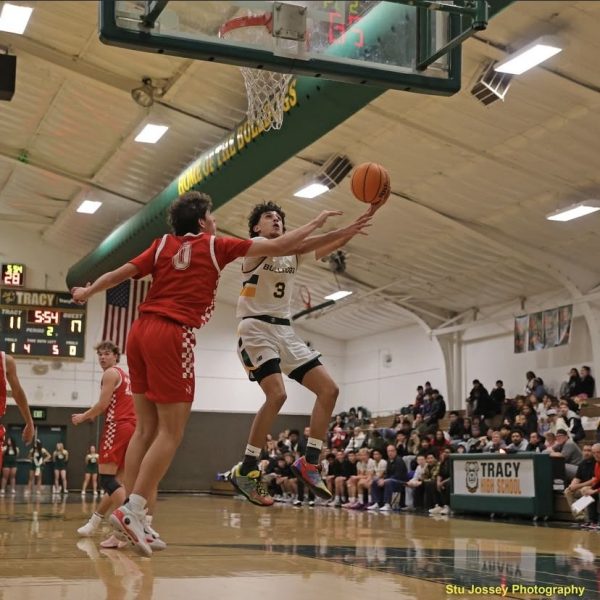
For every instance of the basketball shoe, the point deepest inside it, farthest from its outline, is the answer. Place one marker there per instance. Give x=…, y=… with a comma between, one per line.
x=90, y=528
x=131, y=524
x=312, y=478
x=251, y=486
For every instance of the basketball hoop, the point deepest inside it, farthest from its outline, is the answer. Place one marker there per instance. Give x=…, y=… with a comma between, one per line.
x=266, y=90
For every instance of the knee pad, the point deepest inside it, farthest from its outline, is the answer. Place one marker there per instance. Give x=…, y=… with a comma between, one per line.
x=109, y=483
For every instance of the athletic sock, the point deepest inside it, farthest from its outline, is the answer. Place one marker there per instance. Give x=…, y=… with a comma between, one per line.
x=97, y=514
x=137, y=503
x=250, y=462
x=313, y=450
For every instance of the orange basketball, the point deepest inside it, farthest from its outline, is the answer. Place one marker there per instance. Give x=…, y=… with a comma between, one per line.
x=370, y=182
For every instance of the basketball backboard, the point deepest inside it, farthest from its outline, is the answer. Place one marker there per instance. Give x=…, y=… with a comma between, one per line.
x=408, y=44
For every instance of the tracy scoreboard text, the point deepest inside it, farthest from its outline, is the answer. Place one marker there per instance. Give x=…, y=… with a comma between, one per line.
x=41, y=323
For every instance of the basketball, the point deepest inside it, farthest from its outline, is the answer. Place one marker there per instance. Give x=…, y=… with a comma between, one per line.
x=370, y=183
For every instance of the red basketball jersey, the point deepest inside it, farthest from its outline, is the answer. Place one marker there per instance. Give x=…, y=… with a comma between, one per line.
x=3, y=383
x=121, y=405
x=185, y=273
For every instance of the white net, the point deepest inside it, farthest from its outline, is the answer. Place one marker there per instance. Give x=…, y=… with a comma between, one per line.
x=266, y=90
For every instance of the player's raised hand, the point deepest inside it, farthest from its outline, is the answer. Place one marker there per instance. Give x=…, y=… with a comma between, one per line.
x=81, y=294
x=375, y=206
x=320, y=220
x=360, y=224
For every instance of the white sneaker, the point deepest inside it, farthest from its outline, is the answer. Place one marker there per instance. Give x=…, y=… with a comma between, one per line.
x=386, y=508
x=91, y=527
x=132, y=525
x=436, y=510
x=114, y=542
x=445, y=510
x=373, y=506
x=154, y=541
x=13, y=491
x=1, y=492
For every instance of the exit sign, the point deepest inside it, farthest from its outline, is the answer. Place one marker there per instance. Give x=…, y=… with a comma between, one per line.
x=13, y=274
x=38, y=414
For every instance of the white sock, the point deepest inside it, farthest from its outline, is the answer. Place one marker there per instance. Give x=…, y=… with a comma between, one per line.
x=96, y=518
x=352, y=499
x=337, y=498
x=252, y=451
x=137, y=503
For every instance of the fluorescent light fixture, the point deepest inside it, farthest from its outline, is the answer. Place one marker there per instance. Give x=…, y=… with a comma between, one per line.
x=89, y=207
x=338, y=295
x=151, y=133
x=312, y=190
x=528, y=57
x=575, y=211
x=14, y=18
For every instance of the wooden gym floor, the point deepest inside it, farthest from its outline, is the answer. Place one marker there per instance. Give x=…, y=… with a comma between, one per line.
x=221, y=547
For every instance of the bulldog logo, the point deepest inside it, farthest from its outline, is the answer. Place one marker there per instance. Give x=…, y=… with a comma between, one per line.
x=472, y=476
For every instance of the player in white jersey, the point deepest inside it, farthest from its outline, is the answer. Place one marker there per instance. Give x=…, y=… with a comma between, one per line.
x=268, y=347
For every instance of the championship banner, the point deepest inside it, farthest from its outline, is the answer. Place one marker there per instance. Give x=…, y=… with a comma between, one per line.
x=521, y=333
x=550, y=321
x=506, y=477
x=536, y=331
x=565, y=317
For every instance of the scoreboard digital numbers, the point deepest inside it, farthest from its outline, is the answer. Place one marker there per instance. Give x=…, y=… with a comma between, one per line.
x=13, y=274
x=42, y=324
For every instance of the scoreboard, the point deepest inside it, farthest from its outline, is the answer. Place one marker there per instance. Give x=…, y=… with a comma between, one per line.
x=42, y=324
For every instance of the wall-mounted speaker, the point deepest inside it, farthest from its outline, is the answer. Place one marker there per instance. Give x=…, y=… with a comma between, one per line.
x=8, y=76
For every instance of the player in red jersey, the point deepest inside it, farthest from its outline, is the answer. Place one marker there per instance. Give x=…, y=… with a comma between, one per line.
x=8, y=377
x=116, y=403
x=185, y=268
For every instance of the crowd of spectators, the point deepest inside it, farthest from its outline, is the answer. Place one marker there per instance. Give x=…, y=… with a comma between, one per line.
x=405, y=465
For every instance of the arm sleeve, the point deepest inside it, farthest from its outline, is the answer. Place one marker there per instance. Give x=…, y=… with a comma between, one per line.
x=145, y=261
x=227, y=249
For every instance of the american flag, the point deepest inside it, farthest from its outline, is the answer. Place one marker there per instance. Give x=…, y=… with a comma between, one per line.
x=122, y=303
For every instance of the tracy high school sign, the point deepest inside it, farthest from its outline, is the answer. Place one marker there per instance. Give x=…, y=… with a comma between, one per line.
x=509, y=476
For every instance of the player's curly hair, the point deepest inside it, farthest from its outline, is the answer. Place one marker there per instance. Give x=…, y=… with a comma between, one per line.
x=257, y=213
x=187, y=210
x=108, y=345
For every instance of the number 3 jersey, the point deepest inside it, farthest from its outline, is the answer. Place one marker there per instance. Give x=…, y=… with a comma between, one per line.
x=267, y=286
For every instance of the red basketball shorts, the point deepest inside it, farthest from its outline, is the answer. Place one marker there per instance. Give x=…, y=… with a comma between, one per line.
x=160, y=358
x=114, y=441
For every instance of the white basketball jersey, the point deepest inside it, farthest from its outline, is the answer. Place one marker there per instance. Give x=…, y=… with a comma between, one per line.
x=267, y=285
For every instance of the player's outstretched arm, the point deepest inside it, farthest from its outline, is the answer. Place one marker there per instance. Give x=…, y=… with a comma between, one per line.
x=110, y=380
x=329, y=242
x=288, y=243
x=20, y=398
x=104, y=282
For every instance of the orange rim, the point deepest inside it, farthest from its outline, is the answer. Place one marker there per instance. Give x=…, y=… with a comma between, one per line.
x=264, y=20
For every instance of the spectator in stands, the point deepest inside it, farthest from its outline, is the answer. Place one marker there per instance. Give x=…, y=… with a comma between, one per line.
x=293, y=441
x=521, y=424
x=427, y=389
x=414, y=443
x=497, y=397
x=425, y=447
x=442, y=486
x=361, y=481
x=518, y=442
x=338, y=438
x=529, y=387
x=594, y=489
x=569, y=450
x=549, y=441
x=357, y=440
x=496, y=444
x=419, y=424
x=437, y=411
x=348, y=469
x=329, y=470
x=380, y=467
x=587, y=385
x=478, y=399
x=303, y=441
x=415, y=481
x=536, y=442
x=584, y=477
x=335, y=470
x=568, y=389
x=418, y=403
x=531, y=420
x=373, y=440
x=440, y=442
x=539, y=391
x=456, y=427
x=337, y=422
x=429, y=489
x=383, y=488
x=401, y=444
x=406, y=427
x=352, y=419
x=550, y=425
x=570, y=420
